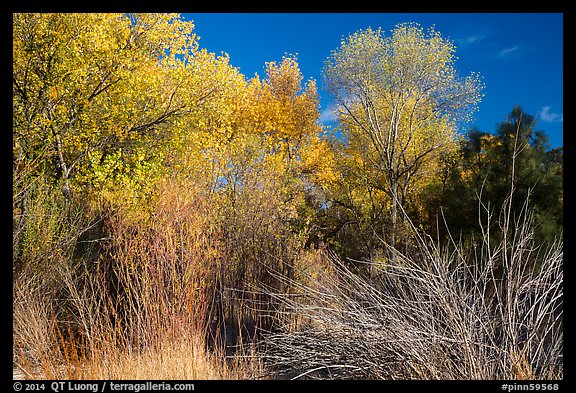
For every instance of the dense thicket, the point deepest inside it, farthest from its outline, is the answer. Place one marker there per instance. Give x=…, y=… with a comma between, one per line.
x=159, y=194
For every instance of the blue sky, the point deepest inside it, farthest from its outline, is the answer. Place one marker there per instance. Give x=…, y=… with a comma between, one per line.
x=520, y=56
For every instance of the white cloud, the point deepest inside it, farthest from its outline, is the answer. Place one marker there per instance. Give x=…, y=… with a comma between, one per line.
x=508, y=53
x=551, y=117
x=471, y=39
x=328, y=115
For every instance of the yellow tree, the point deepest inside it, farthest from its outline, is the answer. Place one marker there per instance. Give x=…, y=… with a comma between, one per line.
x=254, y=136
x=204, y=138
x=400, y=101
x=285, y=117
x=247, y=147
x=265, y=125
x=85, y=85
x=285, y=112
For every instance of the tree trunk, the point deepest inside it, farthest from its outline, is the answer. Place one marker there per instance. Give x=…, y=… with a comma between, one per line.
x=65, y=170
x=394, y=213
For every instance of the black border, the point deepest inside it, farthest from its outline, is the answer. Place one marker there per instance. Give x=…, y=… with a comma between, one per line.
x=424, y=6
x=419, y=6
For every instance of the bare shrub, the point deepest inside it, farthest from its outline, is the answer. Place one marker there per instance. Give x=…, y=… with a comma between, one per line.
x=443, y=312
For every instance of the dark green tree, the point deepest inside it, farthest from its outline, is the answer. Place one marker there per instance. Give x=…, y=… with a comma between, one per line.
x=515, y=157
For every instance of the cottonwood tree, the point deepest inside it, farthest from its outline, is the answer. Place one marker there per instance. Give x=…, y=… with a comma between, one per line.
x=400, y=100
x=85, y=85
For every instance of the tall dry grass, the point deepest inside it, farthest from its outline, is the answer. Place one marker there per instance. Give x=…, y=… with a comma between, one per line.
x=57, y=354
x=46, y=230
x=491, y=311
x=138, y=303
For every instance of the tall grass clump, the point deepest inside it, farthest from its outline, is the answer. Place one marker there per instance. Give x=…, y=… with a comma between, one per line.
x=128, y=296
x=492, y=310
x=47, y=229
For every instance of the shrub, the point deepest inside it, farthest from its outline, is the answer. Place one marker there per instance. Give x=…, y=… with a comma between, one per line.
x=443, y=312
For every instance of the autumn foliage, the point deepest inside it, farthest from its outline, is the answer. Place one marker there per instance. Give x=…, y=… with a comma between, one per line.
x=166, y=205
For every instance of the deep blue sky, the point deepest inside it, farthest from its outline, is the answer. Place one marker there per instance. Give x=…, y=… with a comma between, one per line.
x=518, y=55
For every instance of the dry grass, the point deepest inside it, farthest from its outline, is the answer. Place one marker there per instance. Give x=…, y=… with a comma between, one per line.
x=35, y=344
x=182, y=358
x=142, y=309
x=177, y=358
x=44, y=351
